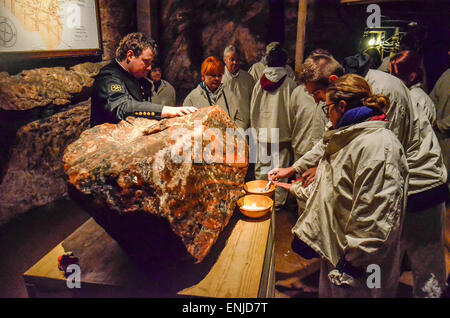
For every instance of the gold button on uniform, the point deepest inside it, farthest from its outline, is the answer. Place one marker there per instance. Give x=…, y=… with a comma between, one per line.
x=140, y=113
x=135, y=113
x=153, y=113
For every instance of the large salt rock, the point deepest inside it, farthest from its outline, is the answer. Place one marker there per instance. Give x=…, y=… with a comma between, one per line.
x=156, y=207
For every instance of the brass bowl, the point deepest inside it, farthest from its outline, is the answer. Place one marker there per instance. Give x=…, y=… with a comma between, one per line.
x=255, y=206
x=256, y=186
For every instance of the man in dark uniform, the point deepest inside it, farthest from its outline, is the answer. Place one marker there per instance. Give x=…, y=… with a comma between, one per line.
x=121, y=89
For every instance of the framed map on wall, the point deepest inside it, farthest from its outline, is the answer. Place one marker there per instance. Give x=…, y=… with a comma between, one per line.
x=49, y=28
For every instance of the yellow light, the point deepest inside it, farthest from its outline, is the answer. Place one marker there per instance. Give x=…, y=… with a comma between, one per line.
x=372, y=42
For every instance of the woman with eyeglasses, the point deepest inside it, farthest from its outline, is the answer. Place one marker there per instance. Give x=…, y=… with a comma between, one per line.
x=354, y=216
x=211, y=92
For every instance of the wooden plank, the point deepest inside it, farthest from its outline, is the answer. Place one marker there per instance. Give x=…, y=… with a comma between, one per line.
x=232, y=269
x=301, y=28
x=238, y=270
x=46, y=267
x=267, y=284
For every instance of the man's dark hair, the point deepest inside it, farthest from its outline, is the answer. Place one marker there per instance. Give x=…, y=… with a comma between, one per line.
x=375, y=57
x=277, y=57
x=318, y=68
x=136, y=42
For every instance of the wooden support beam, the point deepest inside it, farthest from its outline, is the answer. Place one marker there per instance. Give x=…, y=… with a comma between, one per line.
x=301, y=28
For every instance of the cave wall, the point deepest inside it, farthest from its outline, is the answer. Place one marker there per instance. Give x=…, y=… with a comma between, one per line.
x=117, y=18
x=42, y=111
x=44, y=107
x=188, y=31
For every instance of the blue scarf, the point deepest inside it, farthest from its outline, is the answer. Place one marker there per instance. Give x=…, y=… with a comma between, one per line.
x=357, y=115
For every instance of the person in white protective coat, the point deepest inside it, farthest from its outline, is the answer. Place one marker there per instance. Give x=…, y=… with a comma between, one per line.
x=270, y=113
x=241, y=84
x=427, y=176
x=441, y=98
x=406, y=66
x=239, y=81
x=211, y=92
x=307, y=129
x=321, y=70
x=162, y=91
x=257, y=69
x=354, y=217
x=426, y=208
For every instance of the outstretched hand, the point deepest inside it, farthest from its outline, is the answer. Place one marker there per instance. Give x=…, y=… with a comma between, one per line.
x=173, y=111
x=279, y=173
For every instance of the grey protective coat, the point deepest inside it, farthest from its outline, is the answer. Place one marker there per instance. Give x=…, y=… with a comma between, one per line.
x=237, y=112
x=357, y=206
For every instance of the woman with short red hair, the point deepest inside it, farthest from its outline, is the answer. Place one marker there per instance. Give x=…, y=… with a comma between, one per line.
x=211, y=92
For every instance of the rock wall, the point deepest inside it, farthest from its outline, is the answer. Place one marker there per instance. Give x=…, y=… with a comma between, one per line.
x=190, y=31
x=47, y=86
x=40, y=114
x=194, y=30
x=43, y=108
x=34, y=174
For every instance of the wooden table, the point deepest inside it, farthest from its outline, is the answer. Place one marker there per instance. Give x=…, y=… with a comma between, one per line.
x=239, y=265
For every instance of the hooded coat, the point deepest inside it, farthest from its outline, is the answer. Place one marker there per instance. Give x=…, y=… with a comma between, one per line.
x=269, y=108
x=427, y=174
x=357, y=202
x=424, y=102
x=307, y=130
x=257, y=69
x=425, y=163
x=225, y=99
x=441, y=98
x=308, y=123
x=241, y=85
x=426, y=250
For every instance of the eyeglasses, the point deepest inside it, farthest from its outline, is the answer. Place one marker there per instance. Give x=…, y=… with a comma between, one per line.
x=325, y=108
